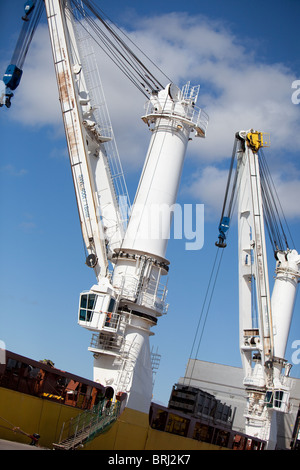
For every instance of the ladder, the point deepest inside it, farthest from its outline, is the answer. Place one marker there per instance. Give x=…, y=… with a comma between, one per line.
x=86, y=426
x=129, y=360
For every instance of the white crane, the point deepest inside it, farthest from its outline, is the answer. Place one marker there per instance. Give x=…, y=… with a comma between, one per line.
x=263, y=338
x=130, y=262
x=127, y=299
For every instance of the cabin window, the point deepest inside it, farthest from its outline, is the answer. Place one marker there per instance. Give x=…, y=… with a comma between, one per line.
x=87, y=304
x=111, y=319
x=278, y=398
x=269, y=399
x=111, y=305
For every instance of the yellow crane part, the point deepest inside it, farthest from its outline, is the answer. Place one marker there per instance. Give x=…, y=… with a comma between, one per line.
x=256, y=140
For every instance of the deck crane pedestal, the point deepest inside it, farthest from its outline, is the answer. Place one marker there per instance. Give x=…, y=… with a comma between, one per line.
x=263, y=338
x=127, y=300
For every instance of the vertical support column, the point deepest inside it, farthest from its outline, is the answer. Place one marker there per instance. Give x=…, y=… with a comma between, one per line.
x=283, y=300
x=141, y=260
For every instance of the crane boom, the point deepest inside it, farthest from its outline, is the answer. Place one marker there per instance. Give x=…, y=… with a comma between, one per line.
x=251, y=220
x=13, y=74
x=100, y=218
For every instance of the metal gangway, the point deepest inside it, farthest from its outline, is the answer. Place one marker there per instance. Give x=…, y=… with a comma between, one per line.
x=86, y=426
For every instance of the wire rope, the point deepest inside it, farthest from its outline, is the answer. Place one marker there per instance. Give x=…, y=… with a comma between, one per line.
x=116, y=48
x=274, y=214
x=211, y=287
x=129, y=39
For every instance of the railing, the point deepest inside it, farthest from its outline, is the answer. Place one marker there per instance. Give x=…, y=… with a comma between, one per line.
x=111, y=322
x=153, y=294
x=190, y=93
x=103, y=122
x=87, y=425
x=104, y=342
x=255, y=378
x=184, y=110
x=192, y=114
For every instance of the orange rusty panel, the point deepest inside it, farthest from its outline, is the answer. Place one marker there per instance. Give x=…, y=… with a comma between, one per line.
x=64, y=84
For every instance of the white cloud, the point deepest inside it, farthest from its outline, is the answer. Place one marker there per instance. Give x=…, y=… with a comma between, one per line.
x=12, y=171
x=288, y=191
x=36, y=100
x=238, y=92
x=208, y=187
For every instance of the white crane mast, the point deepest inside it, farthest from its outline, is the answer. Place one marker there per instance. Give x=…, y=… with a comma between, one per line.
x=171, y=116
x=122, y=307
x=263, y=339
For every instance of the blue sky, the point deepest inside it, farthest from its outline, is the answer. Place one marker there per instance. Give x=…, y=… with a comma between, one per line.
x=245, y=57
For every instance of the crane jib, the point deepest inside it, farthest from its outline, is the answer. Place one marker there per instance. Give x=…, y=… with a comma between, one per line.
x=264, y=319
x=13, y=74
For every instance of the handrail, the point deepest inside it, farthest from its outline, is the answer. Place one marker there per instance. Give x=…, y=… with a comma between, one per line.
x=87, y=425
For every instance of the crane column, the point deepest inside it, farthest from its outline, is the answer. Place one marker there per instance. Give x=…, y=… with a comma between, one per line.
x=140, y=262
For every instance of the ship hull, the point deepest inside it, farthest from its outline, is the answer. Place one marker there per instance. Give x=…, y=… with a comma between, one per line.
x=131, y=431
x=40, y=404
